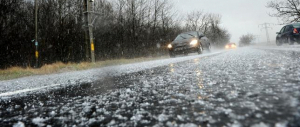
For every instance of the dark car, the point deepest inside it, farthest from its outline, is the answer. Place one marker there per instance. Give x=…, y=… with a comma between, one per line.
x=189, y=42
x=288, y=34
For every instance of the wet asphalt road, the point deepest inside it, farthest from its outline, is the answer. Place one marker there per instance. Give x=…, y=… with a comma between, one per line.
x=242, y=87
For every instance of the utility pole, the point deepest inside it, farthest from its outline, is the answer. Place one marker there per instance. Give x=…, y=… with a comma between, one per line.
x=86, y=31
x=89, y=23
x=266, y=26
x=36, y=35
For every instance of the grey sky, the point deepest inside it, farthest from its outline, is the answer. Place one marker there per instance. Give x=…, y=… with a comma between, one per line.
x=239, y=17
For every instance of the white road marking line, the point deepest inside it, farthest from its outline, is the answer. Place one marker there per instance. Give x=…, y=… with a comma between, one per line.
x=26, y=90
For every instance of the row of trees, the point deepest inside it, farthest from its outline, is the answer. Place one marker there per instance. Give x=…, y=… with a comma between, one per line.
x=60, y=33
x=134, y=28
x=124, y=29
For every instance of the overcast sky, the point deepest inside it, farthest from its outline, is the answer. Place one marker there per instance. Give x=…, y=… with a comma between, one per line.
x=239, y=17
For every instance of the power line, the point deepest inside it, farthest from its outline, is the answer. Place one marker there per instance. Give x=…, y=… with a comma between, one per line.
x=266, y=26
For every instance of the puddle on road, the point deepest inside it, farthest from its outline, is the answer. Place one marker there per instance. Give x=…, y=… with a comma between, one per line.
x=171, y=68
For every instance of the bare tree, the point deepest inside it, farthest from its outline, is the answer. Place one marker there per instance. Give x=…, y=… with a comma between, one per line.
x=287, y=10
x=209, y=24
x=198, y=21
x=246, y=39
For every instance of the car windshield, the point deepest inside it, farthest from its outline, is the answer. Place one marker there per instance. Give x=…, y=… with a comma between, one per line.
x=186, y=36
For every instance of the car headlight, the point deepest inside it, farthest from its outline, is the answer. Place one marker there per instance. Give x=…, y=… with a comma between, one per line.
x=170, y=46
x=194, y=42
x=227, y=47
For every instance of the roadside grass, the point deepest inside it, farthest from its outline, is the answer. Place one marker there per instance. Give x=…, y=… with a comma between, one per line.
x=59, y=67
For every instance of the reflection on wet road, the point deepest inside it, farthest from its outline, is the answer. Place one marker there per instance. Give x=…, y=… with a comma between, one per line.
x=246, y=87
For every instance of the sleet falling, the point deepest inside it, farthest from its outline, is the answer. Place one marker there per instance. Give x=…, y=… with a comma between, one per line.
x=242, y=87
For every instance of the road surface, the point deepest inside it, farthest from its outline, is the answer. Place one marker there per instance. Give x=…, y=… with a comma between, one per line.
x=252, y=86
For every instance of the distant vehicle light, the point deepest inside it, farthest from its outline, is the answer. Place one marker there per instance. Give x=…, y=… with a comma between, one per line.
x=170, y=46
x=194, y=42
x=230, y=46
